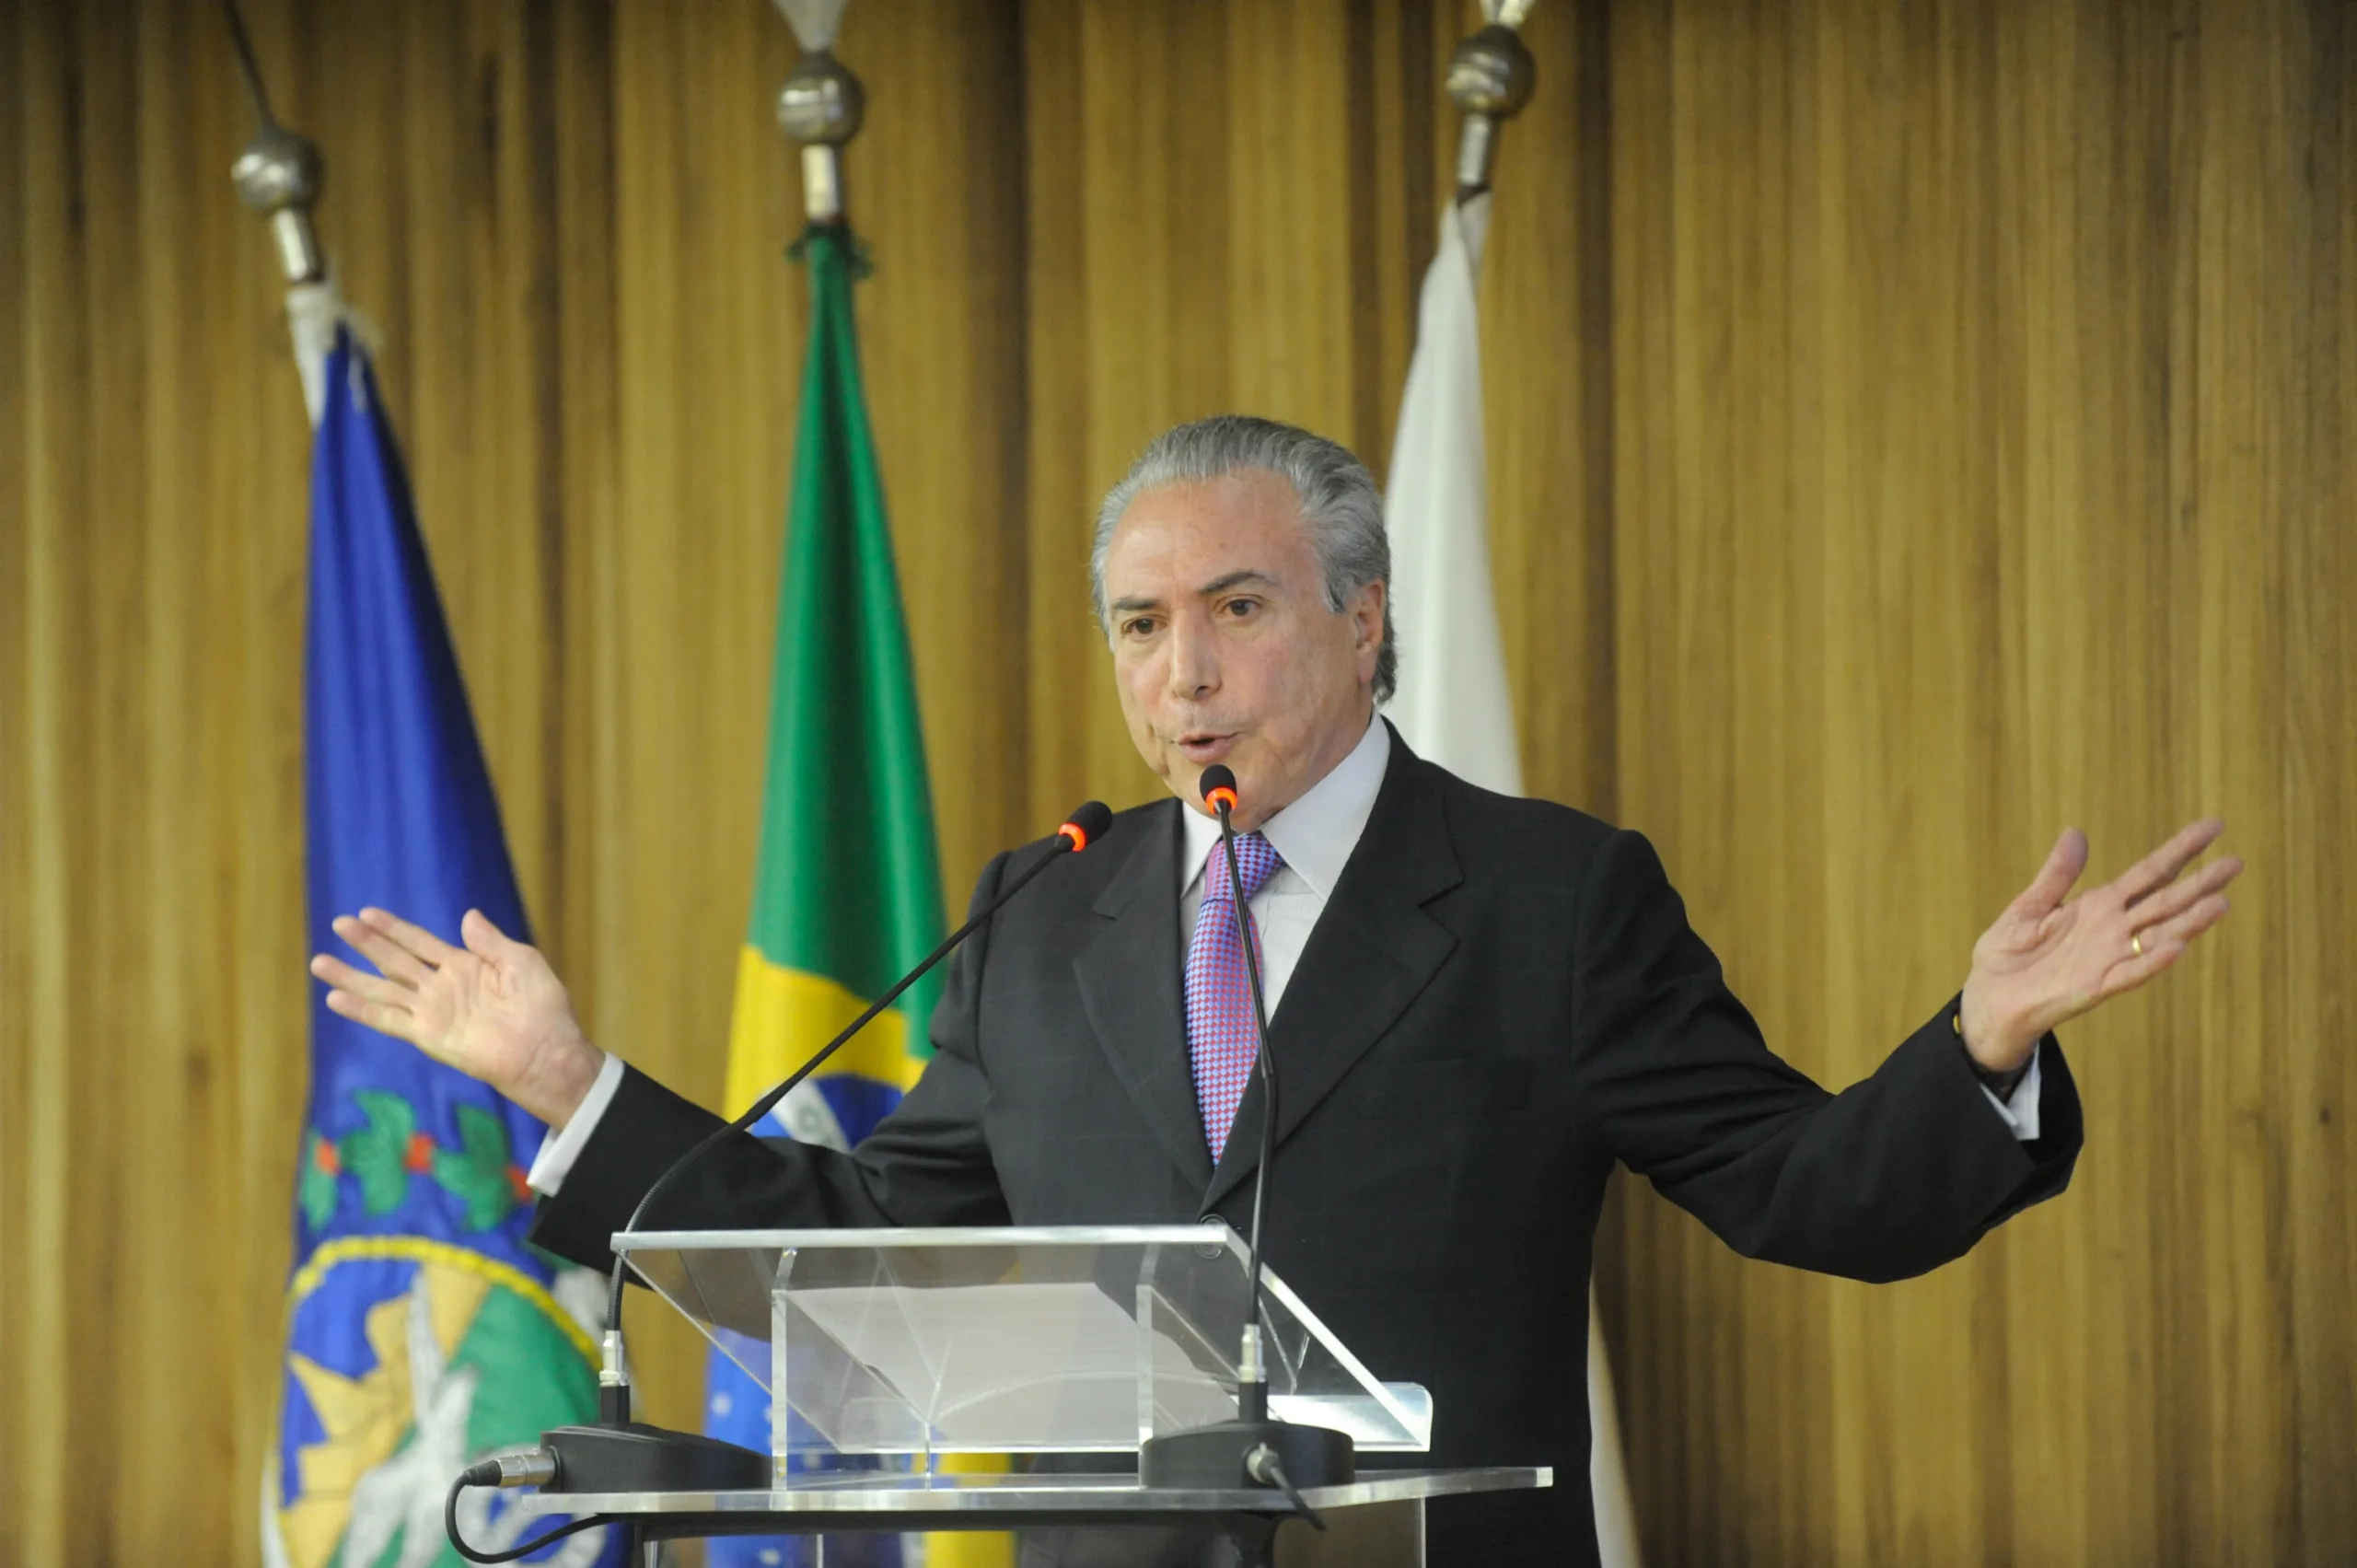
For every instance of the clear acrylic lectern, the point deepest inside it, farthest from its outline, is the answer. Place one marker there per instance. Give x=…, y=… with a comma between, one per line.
x=1069, y=1339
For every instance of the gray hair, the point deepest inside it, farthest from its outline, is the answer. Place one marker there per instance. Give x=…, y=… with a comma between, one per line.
x=1340, y=505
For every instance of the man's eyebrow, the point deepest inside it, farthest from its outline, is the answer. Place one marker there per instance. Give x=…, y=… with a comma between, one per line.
x=1235, y=579
x=1216, y=586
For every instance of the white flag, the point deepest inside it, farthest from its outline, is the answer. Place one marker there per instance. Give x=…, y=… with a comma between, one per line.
x=1452, y=705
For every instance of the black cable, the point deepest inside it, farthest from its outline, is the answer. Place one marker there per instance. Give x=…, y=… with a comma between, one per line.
x=487, y=1474
x=1263, y=1465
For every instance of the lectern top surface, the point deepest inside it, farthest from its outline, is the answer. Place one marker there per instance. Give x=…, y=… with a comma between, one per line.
x=870, y=1491
x=911, y=1238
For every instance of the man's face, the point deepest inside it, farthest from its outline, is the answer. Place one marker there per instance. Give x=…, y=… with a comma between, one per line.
x=1223, y=649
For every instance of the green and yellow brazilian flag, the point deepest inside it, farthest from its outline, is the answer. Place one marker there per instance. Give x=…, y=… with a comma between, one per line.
x=847, y=888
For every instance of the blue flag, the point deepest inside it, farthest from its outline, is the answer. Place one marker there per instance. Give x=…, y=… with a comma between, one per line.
x=422, y=1331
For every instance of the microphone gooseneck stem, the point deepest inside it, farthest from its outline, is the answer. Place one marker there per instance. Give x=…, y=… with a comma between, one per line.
x=1252, y=1366
x=615, y=1394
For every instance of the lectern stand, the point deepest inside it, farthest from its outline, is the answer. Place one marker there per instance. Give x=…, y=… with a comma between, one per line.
x=1070, y=1342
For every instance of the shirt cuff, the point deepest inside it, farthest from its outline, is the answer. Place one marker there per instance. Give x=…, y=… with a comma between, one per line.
x=564, y=1146
x=2020, y=1113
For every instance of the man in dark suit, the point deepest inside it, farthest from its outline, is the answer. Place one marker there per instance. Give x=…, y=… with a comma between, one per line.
x=1478, y=1004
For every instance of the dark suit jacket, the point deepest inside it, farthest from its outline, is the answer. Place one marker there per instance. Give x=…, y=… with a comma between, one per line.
x=1502, y=998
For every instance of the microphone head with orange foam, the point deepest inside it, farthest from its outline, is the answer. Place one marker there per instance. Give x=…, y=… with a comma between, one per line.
x=1087, y=824
x=1218, y=784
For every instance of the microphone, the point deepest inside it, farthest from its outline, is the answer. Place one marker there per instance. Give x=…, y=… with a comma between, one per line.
x=620, y=1455
x=1254, y=1448
x=1218, y=786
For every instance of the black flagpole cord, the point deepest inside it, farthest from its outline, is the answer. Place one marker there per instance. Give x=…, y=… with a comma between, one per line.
x=246, y=62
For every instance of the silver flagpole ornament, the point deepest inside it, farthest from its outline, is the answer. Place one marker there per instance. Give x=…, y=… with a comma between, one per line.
x=821, y=105
x=1489, y=78
x=279, y=173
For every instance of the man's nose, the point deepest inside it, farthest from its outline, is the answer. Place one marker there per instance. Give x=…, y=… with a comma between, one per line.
x=1194, y=661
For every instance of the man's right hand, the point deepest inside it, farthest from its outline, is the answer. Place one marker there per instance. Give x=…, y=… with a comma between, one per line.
x=493, y=1009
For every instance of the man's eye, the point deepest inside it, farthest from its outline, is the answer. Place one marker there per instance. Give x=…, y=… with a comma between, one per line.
x=1137, y=626
x=1238, y=608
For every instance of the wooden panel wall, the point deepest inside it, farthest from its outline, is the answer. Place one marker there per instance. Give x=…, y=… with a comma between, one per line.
x=1912, y=426
x=1982, y=399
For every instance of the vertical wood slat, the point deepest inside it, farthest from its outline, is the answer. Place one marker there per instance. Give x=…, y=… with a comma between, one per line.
x=38, y=1169
x=19, y=1018
x=1911, y=427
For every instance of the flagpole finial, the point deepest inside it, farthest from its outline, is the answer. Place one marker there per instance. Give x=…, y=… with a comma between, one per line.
x=1489, y=78
x=279, y=174
x=821, y=106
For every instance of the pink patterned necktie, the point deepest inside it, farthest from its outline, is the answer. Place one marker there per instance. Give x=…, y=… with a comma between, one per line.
x=1222, y=1035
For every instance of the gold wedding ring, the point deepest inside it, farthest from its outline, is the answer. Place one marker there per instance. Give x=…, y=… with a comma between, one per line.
x=2136, y=943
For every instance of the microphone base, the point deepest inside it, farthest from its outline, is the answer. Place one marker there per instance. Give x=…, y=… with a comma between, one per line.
x=1213, y=1457
x=639, y=1458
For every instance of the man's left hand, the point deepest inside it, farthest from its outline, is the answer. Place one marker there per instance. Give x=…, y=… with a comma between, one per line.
x=2047, y=961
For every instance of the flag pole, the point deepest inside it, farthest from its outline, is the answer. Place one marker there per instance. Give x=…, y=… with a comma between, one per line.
x=280, y=175
x=431, y=1174
x=821, y=106
x=1489, y=78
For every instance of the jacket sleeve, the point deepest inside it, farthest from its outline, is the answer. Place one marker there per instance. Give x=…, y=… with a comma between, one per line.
x=927, y=1164
x=1894, y=1175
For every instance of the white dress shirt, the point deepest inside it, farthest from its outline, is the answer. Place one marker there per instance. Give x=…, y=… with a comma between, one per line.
x=1313, y=838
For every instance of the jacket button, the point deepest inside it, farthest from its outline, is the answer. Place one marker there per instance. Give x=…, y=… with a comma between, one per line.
x=1208, y=1250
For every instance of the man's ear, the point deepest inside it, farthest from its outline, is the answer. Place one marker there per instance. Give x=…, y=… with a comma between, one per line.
x=1366, y=616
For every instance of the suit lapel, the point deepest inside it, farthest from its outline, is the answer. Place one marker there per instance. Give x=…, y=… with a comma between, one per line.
x=1130, y=984
x=1373, y=952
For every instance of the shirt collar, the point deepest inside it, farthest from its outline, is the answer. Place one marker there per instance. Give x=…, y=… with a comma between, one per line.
x=1315, y=834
